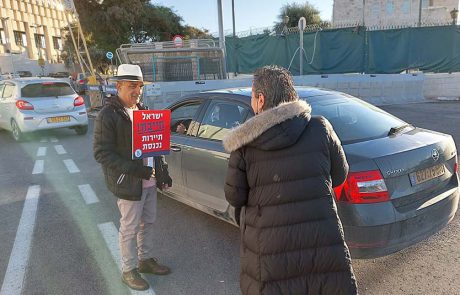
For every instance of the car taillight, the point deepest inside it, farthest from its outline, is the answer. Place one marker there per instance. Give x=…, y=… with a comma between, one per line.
x=24, y=105
x=363, y=188
x=456, y=167
x=78, y=101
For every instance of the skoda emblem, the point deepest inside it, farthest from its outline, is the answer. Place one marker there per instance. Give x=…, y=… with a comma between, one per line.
x=435, y=154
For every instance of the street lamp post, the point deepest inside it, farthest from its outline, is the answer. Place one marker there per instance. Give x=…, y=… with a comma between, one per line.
x=285, y=22
x=364, y=12
x=7, y=41
x=41, y=61
x=420, y=13
x=454, y=15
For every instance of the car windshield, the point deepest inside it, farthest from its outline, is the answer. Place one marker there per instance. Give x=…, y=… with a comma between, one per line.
x=353, y=120
x=46, y=89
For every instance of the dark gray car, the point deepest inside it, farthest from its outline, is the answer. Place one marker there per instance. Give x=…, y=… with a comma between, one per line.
x=402, y=186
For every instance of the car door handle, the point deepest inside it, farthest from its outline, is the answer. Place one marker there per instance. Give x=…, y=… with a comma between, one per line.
x=175, y=148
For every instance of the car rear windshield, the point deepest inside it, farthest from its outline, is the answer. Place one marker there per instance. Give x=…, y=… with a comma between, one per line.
x=47, y=89
x=353, y=119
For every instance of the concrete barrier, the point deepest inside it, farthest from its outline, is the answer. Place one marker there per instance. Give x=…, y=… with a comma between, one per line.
x=442, y=86
x=375, y=89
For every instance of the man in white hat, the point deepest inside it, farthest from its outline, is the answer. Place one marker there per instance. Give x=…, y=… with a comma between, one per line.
x=133, y=182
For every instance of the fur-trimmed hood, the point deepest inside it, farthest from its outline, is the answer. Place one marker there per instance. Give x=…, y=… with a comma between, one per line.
x=272, y=129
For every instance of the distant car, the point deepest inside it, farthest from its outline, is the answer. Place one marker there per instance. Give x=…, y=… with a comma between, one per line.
x=60, y=75
x=80, y=83
x=402, y=186
x=24, y=74
x=6, y=76
x=32, y=104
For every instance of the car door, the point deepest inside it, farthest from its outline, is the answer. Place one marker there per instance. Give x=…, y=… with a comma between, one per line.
x=205, y=160
x=183, y=113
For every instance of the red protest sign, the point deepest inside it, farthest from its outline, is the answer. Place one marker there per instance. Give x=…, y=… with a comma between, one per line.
x=151, y=133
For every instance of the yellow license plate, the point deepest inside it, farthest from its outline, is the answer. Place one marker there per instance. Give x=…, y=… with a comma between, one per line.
x=58, y=119
x=428, y=174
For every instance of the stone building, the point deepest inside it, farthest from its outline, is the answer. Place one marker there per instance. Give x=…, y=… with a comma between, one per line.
x=32, y=30
x=384, y=13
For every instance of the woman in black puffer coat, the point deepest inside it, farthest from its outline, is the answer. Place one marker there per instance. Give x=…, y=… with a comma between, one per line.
x=282, y=169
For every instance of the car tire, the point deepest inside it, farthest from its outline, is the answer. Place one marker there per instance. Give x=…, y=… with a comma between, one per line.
x=81, y=130
x=16, y=131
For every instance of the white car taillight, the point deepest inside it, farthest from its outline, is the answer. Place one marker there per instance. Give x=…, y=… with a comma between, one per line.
x=24, y=105
x=78, y=101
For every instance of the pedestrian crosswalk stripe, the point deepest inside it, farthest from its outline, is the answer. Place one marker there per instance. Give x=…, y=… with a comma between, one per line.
x=13, y=281
x=110, y=234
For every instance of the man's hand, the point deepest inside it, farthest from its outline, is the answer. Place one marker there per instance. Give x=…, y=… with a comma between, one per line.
x=181, y=128
x=165, y=187
x=153, y=173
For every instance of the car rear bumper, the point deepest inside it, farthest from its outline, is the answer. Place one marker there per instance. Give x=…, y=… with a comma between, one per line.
x=383, y=239
x=39, y=122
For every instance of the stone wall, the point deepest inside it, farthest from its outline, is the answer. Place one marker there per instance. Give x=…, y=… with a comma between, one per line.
x=391, y=13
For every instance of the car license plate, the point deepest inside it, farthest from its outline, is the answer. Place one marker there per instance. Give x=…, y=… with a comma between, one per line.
x=58, y=119
x=427, y=174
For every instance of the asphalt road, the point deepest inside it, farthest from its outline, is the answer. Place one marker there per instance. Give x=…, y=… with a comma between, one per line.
x=72, y=239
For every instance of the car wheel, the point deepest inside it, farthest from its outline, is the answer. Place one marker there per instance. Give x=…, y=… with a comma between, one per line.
x=16, y=132
x=81, y=130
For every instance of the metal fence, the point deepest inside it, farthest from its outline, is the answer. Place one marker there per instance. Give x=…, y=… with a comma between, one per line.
x=188, y=60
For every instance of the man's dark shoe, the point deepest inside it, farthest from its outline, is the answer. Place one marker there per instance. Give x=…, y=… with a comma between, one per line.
x=152, y=266
x=134, y=280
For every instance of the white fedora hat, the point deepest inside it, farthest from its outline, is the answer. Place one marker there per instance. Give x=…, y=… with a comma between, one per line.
x=129, y=72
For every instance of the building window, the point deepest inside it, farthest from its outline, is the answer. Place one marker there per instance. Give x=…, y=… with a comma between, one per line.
x=390, y=8
x=405, y=7
x=375, y=10
x=40, y=41
x=57, y=43
x=426, y=3
x=20, y=38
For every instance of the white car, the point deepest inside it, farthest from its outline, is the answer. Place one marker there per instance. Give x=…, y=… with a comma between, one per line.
x=32, y=104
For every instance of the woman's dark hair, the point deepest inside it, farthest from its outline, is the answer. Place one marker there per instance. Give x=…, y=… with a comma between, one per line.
x=276, y=84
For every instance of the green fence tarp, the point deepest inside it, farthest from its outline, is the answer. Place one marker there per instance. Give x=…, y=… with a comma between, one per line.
x=351, y=50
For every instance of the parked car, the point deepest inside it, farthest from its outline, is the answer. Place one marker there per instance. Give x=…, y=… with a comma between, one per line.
x=23, y=74
x=31, y=104
x=402, y=186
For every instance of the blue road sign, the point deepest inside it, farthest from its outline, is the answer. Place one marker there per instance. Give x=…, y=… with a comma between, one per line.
x=109, y=55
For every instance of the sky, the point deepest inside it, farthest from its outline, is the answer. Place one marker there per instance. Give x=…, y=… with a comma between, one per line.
x=249, y=14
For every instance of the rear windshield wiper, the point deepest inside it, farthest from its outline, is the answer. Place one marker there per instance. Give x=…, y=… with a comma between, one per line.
x=394, y=130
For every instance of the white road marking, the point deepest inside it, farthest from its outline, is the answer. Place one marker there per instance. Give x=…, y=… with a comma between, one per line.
x=60, y=149
x=41, y=151
x=88, y=194
x=38, y=167
x=54, y=139
x=70, y=164
x=44, y=140
x=110, y=234
x=13, y=281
